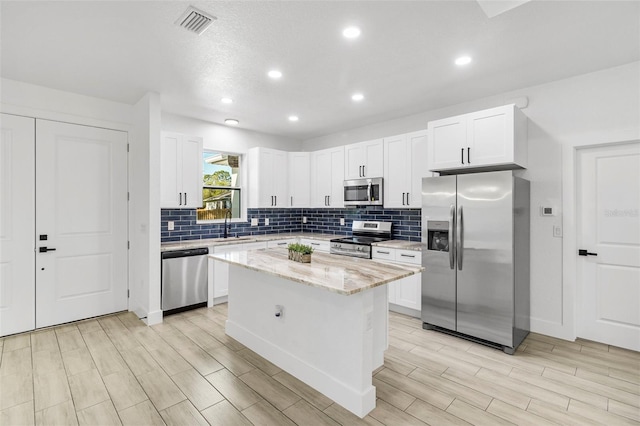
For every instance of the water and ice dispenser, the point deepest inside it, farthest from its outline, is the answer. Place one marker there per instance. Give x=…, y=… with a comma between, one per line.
x=438, y=235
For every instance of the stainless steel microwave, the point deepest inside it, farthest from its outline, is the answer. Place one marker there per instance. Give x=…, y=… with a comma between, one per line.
x=363, y=192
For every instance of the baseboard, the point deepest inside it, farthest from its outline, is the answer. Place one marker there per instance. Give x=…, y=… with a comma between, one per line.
x=352, y=400
x=154, y=318
x=552, y=329
x=404, y=310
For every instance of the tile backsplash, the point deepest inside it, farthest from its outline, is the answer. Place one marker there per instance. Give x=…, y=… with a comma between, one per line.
x=406, y=222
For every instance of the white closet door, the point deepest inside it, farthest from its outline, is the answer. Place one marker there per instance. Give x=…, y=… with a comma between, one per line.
x=608, y=191
x=81, y=202
x=17, y=218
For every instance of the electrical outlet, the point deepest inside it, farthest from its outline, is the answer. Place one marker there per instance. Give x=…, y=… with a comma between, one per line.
x=557, y=231
x=266, y=221
x=304, y=219
x=342, y=221
x=254, y=221
x=170, y=225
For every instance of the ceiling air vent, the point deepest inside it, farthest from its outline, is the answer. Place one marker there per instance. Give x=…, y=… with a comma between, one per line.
x=195, y=20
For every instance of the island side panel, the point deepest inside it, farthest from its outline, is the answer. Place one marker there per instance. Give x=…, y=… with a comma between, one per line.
x=323, y=338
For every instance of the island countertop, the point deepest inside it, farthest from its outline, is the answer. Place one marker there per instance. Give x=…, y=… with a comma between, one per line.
x=339, y=274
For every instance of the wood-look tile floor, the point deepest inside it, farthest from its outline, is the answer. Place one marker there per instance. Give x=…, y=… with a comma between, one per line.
x=186, y=371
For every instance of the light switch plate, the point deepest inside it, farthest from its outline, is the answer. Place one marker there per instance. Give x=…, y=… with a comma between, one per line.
x=254, y=221
x=266, y=221
x=342, y=221
x=304, y=219
x=170, y=225
x=557, y=231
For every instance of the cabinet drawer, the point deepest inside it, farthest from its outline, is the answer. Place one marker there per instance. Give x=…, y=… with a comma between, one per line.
x=316, y=244
x=280, y=243
x=409, y=256
x=239, y=247
x=383, y=253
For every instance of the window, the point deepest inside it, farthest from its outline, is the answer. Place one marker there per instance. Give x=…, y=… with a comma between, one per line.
x=221, y=191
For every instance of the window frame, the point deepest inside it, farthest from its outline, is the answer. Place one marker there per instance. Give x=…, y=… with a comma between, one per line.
x=242, y=177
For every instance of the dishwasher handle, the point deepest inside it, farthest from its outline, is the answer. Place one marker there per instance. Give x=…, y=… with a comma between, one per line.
x=173, y=254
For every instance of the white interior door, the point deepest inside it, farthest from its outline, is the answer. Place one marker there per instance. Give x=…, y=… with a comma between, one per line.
x=17, y=218
x=81, y=210
x=608, y=219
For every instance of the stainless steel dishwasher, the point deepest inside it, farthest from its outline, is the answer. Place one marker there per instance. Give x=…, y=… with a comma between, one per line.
x=184, y=278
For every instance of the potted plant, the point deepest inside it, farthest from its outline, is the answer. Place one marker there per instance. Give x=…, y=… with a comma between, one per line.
x=300, y=252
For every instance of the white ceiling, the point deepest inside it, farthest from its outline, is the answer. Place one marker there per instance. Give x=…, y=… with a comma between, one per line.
x=403, y=61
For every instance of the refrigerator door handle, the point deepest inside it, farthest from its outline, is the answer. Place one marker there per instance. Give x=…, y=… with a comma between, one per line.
x=452, y=219
x=460, y=237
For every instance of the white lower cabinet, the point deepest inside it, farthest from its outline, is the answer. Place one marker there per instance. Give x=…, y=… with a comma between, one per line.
x=219, y=271
x=281, y=243
x=317, y=245
x=404, y=295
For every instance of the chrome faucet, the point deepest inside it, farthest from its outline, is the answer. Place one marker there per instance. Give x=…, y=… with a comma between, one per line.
x=227, y=214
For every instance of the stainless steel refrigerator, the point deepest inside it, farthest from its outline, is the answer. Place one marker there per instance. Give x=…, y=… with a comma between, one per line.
x=475, y=251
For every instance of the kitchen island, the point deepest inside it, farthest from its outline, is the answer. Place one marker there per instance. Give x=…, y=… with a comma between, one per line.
x=324, y=322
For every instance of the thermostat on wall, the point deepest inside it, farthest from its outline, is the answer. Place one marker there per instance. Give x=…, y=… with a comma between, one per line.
x=546, y=211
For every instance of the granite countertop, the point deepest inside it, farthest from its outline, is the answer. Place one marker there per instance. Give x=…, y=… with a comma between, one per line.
x=339, y=274
x=210, y=242
x=400, y=244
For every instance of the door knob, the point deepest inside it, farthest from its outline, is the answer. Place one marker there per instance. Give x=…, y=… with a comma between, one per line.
x=45, y=249
x=582, y=252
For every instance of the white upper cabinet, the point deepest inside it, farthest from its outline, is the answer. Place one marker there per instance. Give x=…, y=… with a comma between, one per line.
x=327, y=176
x=494, y=138
x=363, y=160
x=268, y=182
x=181, y=171
x=299, y=179
x=404, y=168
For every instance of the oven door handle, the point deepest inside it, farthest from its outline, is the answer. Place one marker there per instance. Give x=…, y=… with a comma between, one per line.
x=369, y=192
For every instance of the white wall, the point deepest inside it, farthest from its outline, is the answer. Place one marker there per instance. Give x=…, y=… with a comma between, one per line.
x=144, y=214
x=599, y=107
x=31, y=100
x=225, y=138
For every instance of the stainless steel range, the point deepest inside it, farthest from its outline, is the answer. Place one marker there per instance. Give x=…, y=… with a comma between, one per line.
x=364, y=234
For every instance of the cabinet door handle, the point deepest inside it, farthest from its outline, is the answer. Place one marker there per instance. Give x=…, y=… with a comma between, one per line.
x=275, y=200
x=363, y=172
x=407, y=198
x=468, y=155
x=185, y=198
x=180, y=203
x=291, y=201
x=462, y=155
x=328, y=200
x=315, y=244
x=382, y=252
x=282, y=244
x=403, y=199
x=408, y=255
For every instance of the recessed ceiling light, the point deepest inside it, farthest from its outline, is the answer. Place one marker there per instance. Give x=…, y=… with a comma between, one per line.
x=463, y=60
x=357, y=97
x=293, y=118
x=351, y=32
x=275, y=74
x=231, y=121
x=226, y=100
